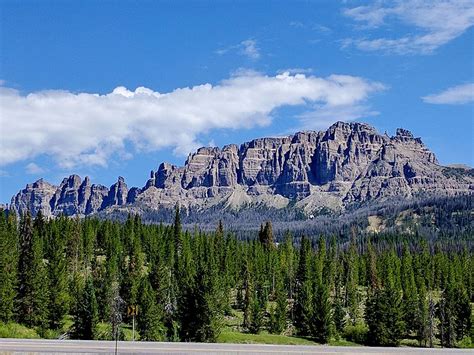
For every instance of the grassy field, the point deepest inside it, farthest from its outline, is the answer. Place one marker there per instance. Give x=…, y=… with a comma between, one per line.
x=14, y=330
x=231, y=333
x=228, y=336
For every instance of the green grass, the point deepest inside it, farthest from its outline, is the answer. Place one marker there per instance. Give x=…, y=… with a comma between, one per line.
x=342, y=342
x=262, y=338
x=15, y=330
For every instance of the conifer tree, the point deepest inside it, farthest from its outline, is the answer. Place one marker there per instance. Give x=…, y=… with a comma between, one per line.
x=279, y=311
x=8, y=265
x=86, y=314
x=209, y=308
x=266, y=235
x=33, y=279
x=257, y=310
x=421, y=322
x=321, y=317
x=463, y=312
x=304, y=290
x=150, y=319
x=384, y=317
x=248, y=300
x=410, y=295
x=351, y=283
x=339, y=315
x=59, y=301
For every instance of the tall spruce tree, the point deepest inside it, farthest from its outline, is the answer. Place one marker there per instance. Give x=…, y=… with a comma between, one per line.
x=86, y=314
x=410, y=293
x=321, y=317
x=150, y=318
x=266, y=235
x=384, y=309
x=279, y=311
x=352, y=282
x=60, y=299
x=8, y=265
x=33, y=280
x=257, y=311
x=421, y=322
x=304, y=290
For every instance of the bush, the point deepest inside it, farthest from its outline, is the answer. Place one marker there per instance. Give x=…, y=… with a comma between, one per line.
x=466, y=342
x=356, y=333
x=15, y=330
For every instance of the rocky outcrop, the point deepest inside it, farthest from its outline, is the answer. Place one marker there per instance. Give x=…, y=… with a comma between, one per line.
x=35, y=197
x=348, y=163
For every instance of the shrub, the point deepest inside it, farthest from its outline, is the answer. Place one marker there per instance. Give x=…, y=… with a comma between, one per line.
x=356, y=333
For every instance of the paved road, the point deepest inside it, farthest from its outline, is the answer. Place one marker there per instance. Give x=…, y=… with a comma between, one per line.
x=21, y=346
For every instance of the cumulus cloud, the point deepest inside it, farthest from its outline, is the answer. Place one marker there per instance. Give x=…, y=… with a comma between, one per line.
x=437, y=22
x=296, y=71
x=248, y=48
x=89, y=129
x=457, y=95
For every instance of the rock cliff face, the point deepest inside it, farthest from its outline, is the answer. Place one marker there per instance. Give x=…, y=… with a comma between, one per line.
x=349, y=163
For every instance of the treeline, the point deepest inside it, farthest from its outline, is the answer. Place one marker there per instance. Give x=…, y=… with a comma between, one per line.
x=374, y=290
x=432, y=215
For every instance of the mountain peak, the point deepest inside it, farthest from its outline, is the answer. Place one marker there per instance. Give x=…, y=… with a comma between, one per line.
x=348, y=163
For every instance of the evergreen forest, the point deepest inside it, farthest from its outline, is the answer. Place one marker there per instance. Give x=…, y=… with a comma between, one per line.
x=75, y=278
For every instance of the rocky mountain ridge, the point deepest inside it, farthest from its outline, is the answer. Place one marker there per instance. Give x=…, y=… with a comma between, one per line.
x=350, y=163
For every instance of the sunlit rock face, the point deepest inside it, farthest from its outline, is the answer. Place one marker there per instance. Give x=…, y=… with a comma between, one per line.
x=348, y=163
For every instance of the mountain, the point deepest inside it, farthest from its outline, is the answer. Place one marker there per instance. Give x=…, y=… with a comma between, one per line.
x=348, y=165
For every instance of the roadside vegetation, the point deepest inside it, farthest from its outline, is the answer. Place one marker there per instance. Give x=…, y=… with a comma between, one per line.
x=76, y=278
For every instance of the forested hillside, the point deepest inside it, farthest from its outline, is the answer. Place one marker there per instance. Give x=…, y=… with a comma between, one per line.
x=77, y=276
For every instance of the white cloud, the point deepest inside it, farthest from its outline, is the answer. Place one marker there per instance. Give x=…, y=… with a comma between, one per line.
x=437, y=23
x=83, y=129
x=296, y=71
x=248, y=48
x=457, y=95
x=34, y=169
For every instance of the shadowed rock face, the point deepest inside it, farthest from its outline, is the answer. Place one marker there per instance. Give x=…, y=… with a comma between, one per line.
x=350, y=162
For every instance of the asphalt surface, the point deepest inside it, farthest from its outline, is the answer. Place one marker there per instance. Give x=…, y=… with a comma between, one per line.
x=28, y=346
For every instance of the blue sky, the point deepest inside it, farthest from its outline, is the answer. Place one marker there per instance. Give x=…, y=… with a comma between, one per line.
x=215, y=73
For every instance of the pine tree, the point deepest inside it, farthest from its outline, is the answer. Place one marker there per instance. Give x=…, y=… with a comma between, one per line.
x=86, y=314
x=133, y=269
x=209, y=308
x=384, y=317
x=150, y=319
x=278, y=313
x=266, y=235
x=410, y=295
x=8, y=265
x=304, y=290
x=248, y=300
x=339, y=314
x=321, y=317
x=384, y=309
x=257, y=310
x=33, y=288
x=351, y=283
x=463, y=311
x=421, y=323
x=59, y=301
